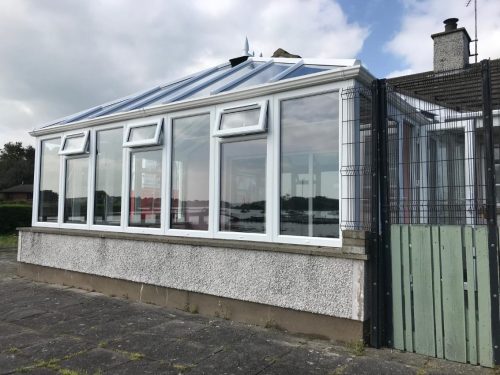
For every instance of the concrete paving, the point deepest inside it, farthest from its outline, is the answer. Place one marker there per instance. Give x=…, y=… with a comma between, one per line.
x=47, y=329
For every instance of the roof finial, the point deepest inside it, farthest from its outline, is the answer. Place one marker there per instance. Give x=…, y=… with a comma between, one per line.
x=246, y=48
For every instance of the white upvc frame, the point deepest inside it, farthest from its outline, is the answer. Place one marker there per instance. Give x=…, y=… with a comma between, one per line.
x=93, y=156
x=84, y=147
x=126, y=175
x=168, y=174
x=36, y=184
x=62, y=195
x=142, y=123
x=313, y=91
x=260, y=127
x=272, y=171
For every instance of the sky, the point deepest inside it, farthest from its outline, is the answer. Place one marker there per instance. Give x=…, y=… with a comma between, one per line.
x=58, y=57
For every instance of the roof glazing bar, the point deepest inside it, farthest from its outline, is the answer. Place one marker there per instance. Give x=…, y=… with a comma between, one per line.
x=242, y=78
x=170, y=90
x=126, y=102
x=287, y=71
x=80, y=115
x=190, y=90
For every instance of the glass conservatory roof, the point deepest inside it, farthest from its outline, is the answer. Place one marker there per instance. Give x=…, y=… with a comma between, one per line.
x=219, y=79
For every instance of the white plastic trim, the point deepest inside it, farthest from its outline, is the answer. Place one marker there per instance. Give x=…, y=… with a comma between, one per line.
x=83, y=149
x=260, y=127
x=145, y=142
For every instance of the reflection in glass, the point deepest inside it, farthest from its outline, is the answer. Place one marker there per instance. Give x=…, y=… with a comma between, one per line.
x=310, y=167
x=263, y=76
x=108, y=177
x=75, y=194
x=240, y=119
x=142, y=133
x=74, y=143
x=145, y=189
x=243, y=186
x=49, y=181
x=190, y=165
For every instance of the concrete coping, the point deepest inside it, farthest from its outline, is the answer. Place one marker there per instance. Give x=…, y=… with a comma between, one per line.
x=346, y=252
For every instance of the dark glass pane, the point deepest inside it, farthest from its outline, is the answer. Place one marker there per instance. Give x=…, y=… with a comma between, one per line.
x=190, y=169
x=243, y=186
x=240, y=119
x=305, y=70
x=145, y=189
x=108, y=175
x=75, y=195
x=310, y=166
x=49, y=181
x=263, y=76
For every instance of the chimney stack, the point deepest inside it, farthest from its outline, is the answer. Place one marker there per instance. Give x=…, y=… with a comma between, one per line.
x=451, y=47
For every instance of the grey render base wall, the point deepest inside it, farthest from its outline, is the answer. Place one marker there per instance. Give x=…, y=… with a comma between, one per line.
x=328, y=285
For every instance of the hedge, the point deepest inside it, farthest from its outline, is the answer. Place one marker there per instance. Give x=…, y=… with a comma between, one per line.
x=13, y=216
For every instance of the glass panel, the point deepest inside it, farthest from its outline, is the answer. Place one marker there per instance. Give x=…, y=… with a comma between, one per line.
x=310, y=166
x=263, y=76
x=75, y=195
x=142, y=133
x=108, y=175
x=190, y=166
x=145, y=189
x=243, y=186
x=74, y=143
x=221, y=82
x=49, y=181
x=305, y=70
x=240, y=119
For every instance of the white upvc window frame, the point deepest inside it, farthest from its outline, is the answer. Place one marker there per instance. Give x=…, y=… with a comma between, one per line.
x=168, y=174
x=82, y=150
x=159, y=144
x=93, y=156
x=216, y=162
x=158, y=122
x=36, y=185
x=297, y=94
x=260, y=127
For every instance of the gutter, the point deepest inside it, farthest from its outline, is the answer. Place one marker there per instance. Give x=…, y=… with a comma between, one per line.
x=358, y=71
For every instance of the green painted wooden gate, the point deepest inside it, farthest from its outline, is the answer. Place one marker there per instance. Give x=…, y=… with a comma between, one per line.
x=441, y=291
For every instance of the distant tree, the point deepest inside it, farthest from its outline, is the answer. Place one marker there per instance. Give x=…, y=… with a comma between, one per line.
x=16, y=164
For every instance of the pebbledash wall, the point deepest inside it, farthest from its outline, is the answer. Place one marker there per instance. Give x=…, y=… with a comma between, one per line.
x=310, y=285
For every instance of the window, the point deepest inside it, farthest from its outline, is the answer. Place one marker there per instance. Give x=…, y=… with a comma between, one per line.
x=145, y=188
x=108, y=177
x=243, y=186
x=75, y=194
x=242, y=120
x=48, y=193
x=143, y=134
x=74, y=143
x=190, y=172
x=309, y=181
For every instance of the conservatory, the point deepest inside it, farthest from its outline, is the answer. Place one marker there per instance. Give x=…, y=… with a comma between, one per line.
x=219, y=192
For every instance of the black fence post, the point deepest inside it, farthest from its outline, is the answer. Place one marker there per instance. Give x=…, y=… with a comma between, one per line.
x=491, y=207
x=379, y=219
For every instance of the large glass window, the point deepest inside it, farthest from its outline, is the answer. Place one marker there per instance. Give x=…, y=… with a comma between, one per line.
x=145, y=188
x=108, y=177
x=48, y=195
x=75, y=194
x=190, y=172
x=243, y=186
x=309, y=204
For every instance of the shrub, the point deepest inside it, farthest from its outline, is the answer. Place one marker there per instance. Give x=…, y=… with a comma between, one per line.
x=13, y=216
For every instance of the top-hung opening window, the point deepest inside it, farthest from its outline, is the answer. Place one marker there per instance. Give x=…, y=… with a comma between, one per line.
x=248, y=119
x=76, y=143
x=143, y=134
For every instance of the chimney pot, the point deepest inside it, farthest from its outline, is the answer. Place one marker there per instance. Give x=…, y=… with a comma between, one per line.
x=450, y=24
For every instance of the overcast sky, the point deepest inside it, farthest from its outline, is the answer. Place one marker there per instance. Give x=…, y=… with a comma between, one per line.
x=58, y=57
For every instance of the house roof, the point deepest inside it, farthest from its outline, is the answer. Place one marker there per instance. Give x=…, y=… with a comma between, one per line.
x=219, y=79
x=460, y=90
x=23, y=188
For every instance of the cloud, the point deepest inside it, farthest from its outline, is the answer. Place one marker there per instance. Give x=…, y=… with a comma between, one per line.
x=59, y=56
x=413, y=44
